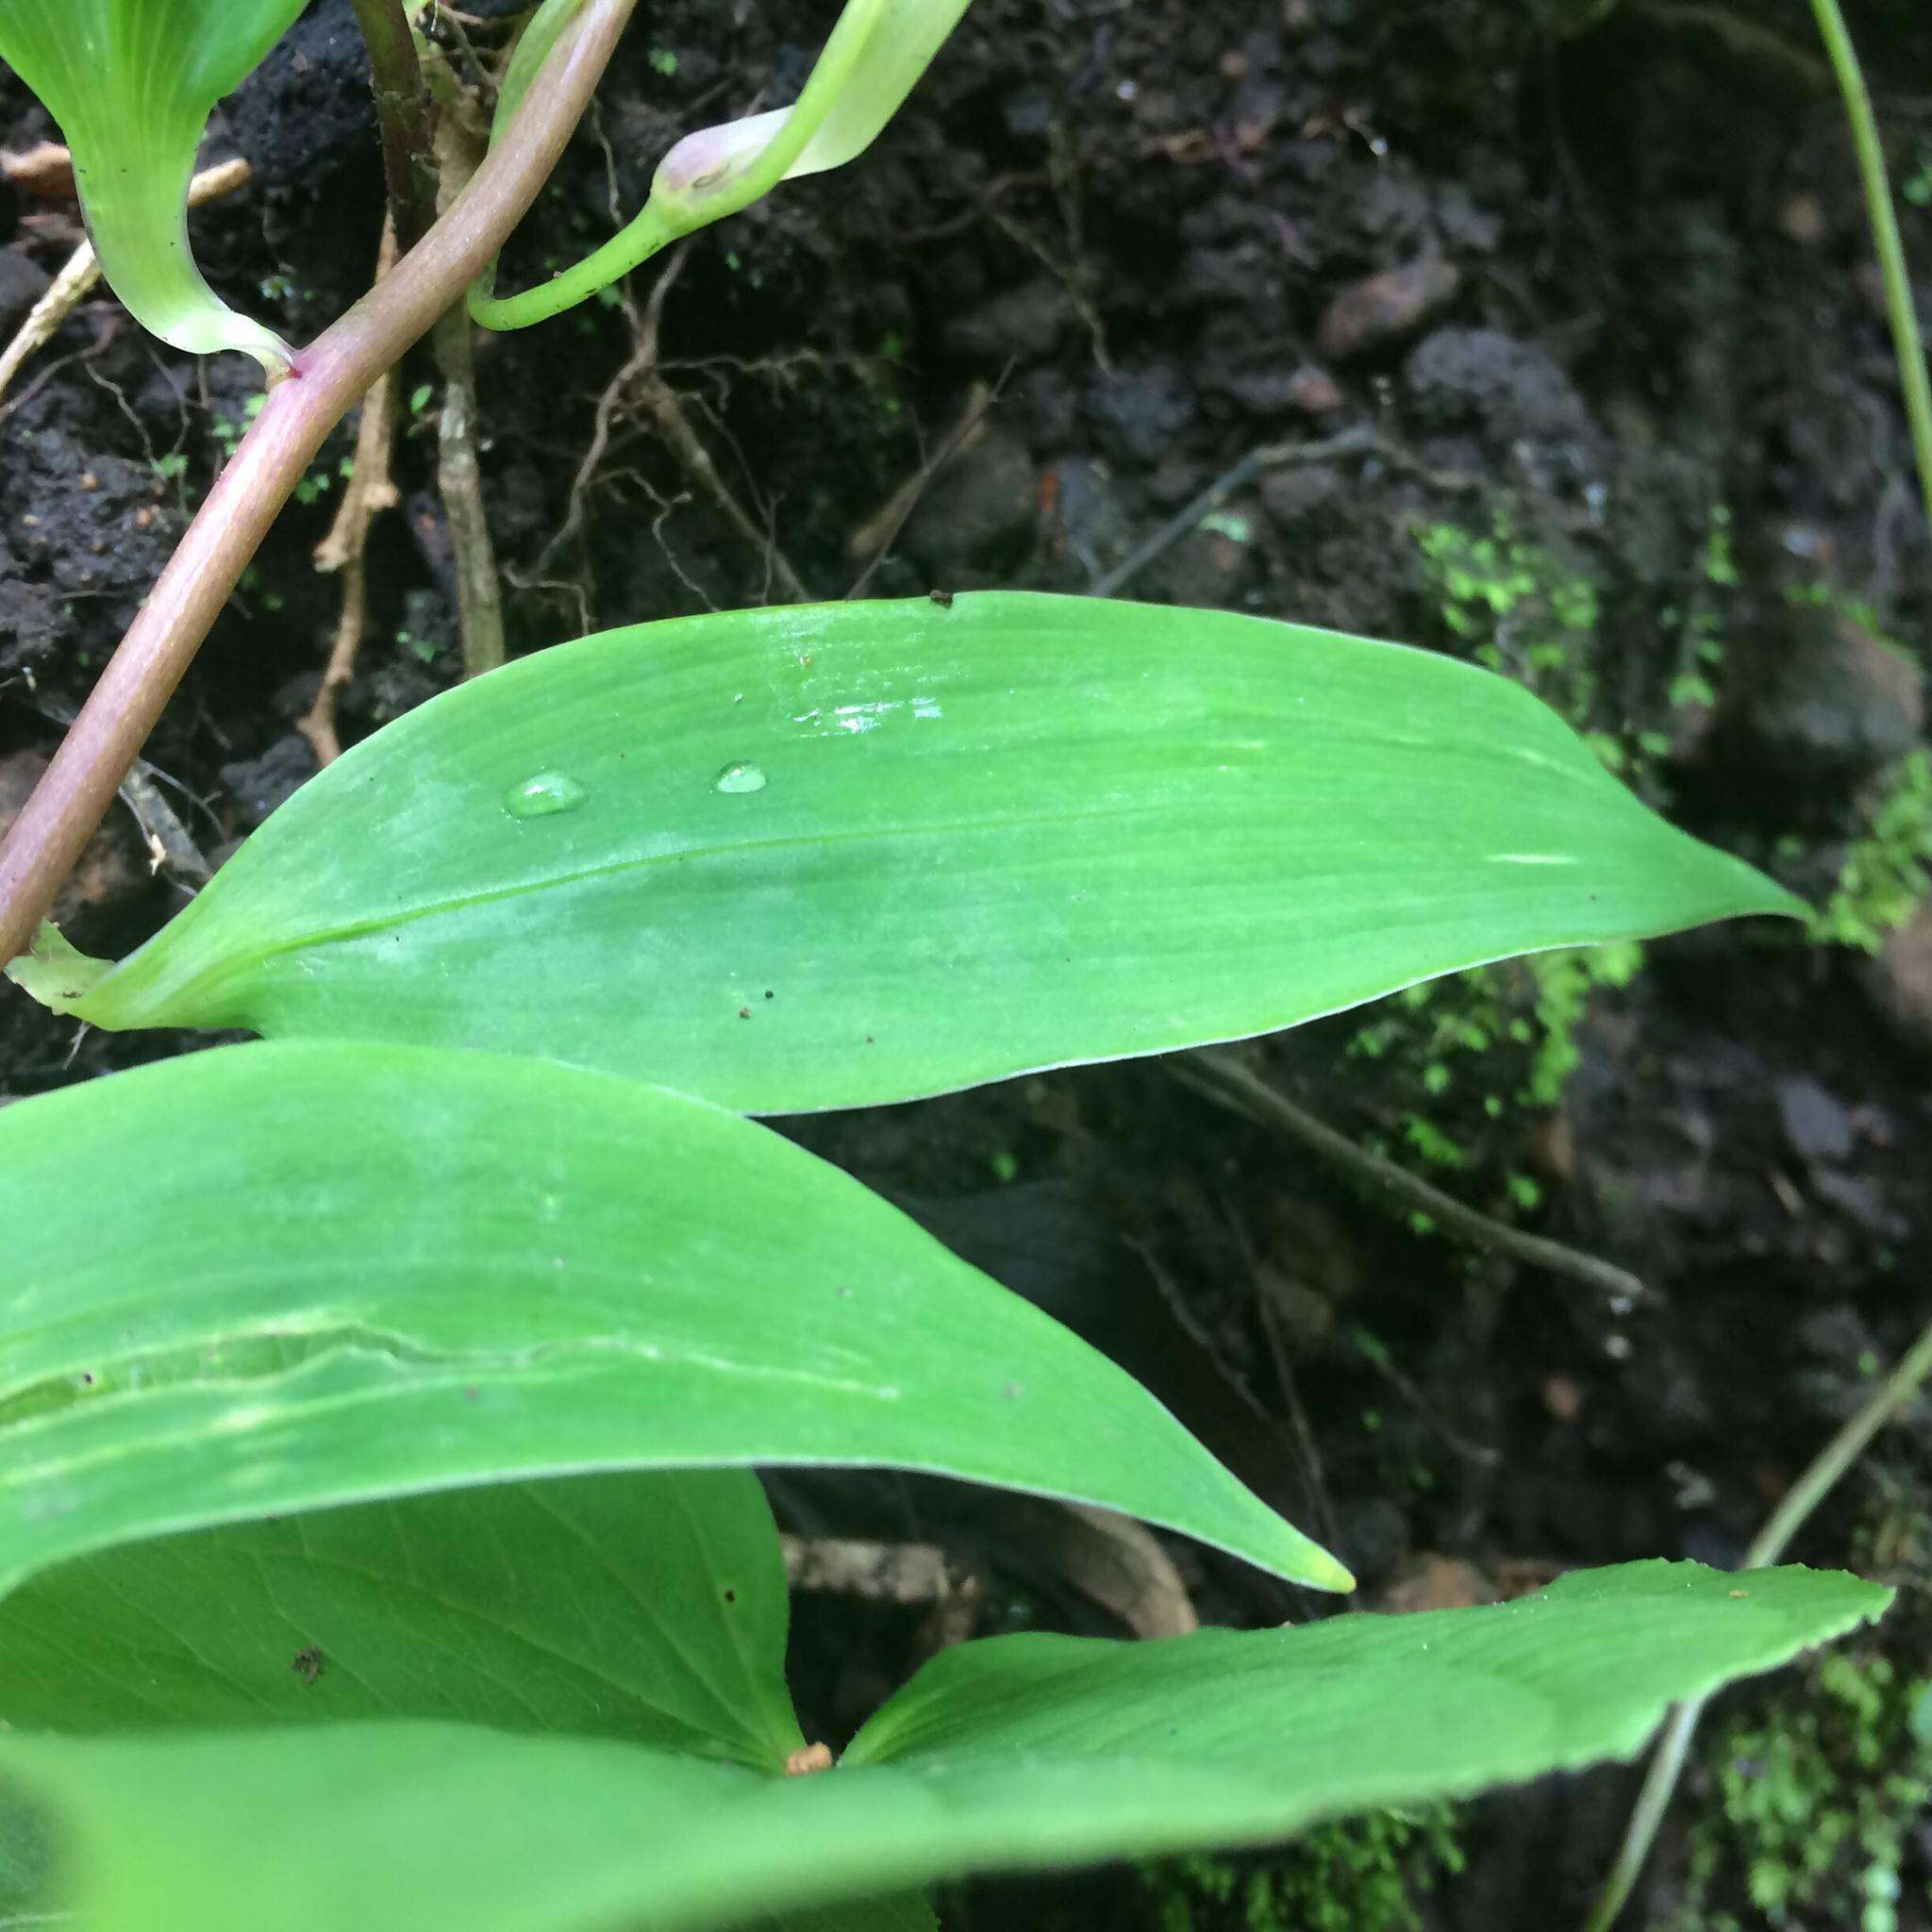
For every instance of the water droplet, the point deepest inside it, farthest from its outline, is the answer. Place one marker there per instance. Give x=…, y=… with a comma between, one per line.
x=738, y=778
x=542, y=795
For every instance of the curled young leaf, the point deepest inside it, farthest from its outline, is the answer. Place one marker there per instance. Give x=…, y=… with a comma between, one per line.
x=132, y=83
x=876, y=52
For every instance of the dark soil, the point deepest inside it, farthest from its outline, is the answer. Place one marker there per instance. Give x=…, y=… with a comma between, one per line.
x=1605, y=300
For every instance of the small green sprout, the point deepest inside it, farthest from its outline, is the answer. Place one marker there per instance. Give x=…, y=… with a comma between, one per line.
x=877, y=51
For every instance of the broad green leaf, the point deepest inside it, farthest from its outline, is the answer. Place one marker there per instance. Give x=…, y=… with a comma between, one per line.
x=876, y=53
x=824, y=857
x=650, y=1607
x=132, y=83
x=1023, y=1752
x=339, y=1273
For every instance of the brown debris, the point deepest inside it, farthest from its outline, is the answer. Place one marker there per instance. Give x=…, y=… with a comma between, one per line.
x=1384, y=309
x=46, y=170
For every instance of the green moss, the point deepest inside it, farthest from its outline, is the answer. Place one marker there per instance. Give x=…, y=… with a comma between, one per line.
x=1883, y=879
x=1363, y=1874
x=1813, y=1795
x=1516, y=607
x=1566, y=982
x=1458, y=1056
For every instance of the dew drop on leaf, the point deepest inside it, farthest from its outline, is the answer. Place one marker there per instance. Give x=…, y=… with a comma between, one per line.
x=541, y=795
x=738, y=778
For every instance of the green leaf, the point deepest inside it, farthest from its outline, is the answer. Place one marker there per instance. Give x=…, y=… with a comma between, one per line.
x=833, y=856
x=337, y=1273
x=651, y=1608
x=876, y=53
x=132, y=83
x=1023, y=1752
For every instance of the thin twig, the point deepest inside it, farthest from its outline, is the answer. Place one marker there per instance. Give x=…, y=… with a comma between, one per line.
x=462, y=139
x=72, y=286
x=1224, y=1078
x=1358, y=441
x=874, y=539
x=1282, y=1358
x=639, y=385
x=1906, y=342
x=170, y=844
x=402, y=116
x=1786, y=1521
x=370, y=491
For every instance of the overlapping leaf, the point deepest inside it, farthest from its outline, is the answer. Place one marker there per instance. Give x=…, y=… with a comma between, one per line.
x=646, y=1607
x=830, y=856
x=132, y=84
x=343, y=1273
x=1017, y=1753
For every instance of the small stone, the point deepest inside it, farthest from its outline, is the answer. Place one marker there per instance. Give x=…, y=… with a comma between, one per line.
x=1817, y=1126
x=980, y=515
x=1137, y=413
x=258, y=784
x=1562, y=1397
x=1511, y=391
x=1291, y=497
x=1802, y=220
x=1026, y=321
x=1314, y=391
x=1430, y=1582
x=1898, y=983
x=1384, y=309
x=1832, y=706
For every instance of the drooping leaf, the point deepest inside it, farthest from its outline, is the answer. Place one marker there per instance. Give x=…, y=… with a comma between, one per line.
x=876, y=53
x=802, y=858
x=337, y=1273
x=132, y=84
x=1023, y=1752
x=646, y=1607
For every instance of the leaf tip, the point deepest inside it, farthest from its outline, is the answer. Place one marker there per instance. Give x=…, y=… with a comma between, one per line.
x=1321, y=1571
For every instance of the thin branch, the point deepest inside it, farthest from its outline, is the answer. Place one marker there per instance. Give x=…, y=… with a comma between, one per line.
x=1359, y=441
x=323, y=383
x=345, y=549
x=403, y=115
x=75, y=281
x=462, y=139
x=1786, y=1521
x=874, y=539
x=1224, y=1078
x=640, y=386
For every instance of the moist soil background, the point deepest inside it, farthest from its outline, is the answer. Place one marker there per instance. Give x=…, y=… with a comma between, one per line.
x=1586, y=292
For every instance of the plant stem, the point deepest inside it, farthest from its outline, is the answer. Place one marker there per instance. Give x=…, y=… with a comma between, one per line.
x=1907, y=340
x=1224, y=1078
x=462, y=139
x=402, y=113
x=1800, y=1500
x=323, y=384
